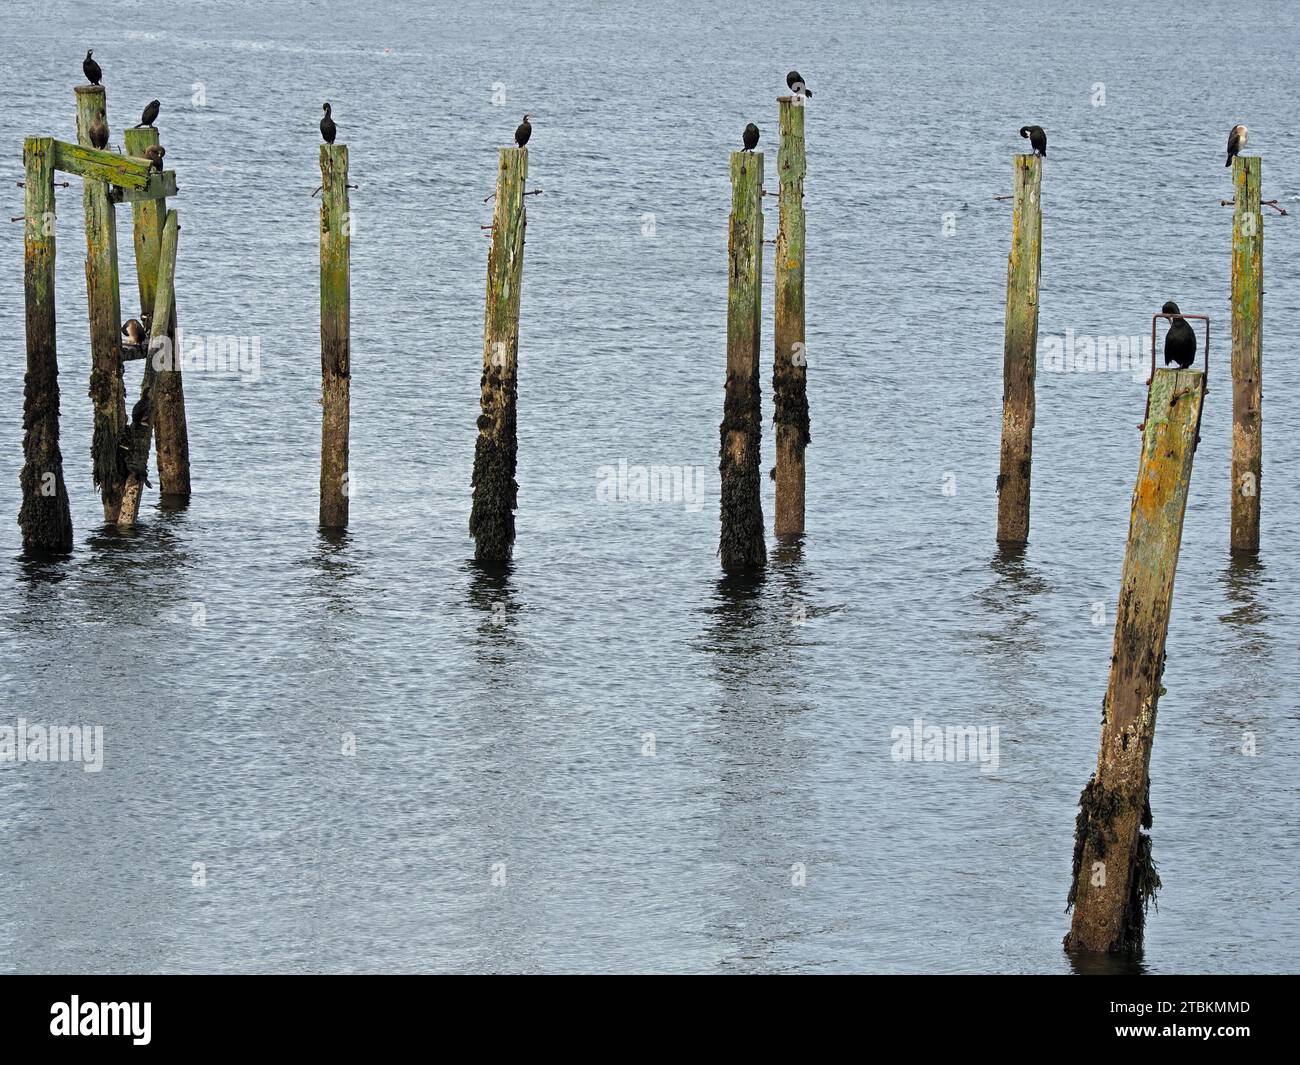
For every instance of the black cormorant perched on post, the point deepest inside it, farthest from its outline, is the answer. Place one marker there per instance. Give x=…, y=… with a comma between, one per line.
x=150, y=113
x=154, y=153
x=523, y=131
x=91, y=69
x=133, y=331
x=1037, y=139
x=795, y=80
x=1180, y=341
x=99, y=131
x=327, y=128
x=751, y=137
x=140, y=412
x=1236, y=141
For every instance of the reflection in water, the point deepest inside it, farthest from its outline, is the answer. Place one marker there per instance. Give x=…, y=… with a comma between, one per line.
x=1011, y=602
x=334, y=570
x=765, y=793
x=1243, y=581
x=491, y=592
x=1107, y=964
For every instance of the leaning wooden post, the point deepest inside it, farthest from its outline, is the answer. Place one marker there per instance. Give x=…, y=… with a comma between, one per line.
x=161, y=326
x=335, y=335
x=1247, y=352
x=492, y=515
x=1114, y=877
x=107, y=390
x=166, y=391
x=1020, y=352
x=45, y=517
x=742, y=545
x=790, y=374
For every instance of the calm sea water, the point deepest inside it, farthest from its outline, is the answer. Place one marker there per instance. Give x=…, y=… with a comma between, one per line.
x=501, y=723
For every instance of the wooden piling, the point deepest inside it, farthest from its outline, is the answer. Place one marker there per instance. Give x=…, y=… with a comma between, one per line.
x=107, y=391
x=161, y=326
x=45, y=517
x=742, y=546
x=335, y=335
x=1020, y=351
x=492, y=515
x=1114, y=877
x=166, y=390
x=789, y=375
x=1247, y=353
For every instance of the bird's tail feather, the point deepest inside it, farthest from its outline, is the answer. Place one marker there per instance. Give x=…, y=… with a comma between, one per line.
x=1229, y=162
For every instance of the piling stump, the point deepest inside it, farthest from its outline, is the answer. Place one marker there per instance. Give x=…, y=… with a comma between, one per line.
x=1020, y=352
x=335, y=335
x=1247, y=353
x=45, y=517
x=492, y=515
x=790, y=374
x=107, y=391
x=1114, y=877
x=742, y=546
x=170, y=431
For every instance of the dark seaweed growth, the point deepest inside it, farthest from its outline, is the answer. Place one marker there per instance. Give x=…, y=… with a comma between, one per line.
x=790, y=399
x=742, y=545
x=492, y=516
x=44, y=519
x=106, y=443
x=1098, y=808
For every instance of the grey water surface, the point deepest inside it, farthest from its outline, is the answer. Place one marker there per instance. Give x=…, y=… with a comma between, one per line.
x=609, y=758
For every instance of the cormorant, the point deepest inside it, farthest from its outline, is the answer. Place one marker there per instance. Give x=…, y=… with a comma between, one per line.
x=154, y=153
x=327, y=128
x=795, y=80
x=133, y=331
x=150, y=113
x=1236, y=141
x=91, y=69
x=751, y=137
x=99, y=131
x=1180, y=341
x=140, y=412
x=523, y=131
x=1037, y=137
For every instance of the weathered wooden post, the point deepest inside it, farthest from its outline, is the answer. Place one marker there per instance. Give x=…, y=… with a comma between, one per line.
x=45, y=517
x=492, y=515
x=1019, y=352
x=742, y=545
x=790, y=374
x=1247, y=352
x=166, y=389
x=335, y=335
x=107, y=391
x=1114, y=877
x=161, y=326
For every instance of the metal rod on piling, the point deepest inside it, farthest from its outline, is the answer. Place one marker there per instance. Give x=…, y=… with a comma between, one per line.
x=492, y=515
x=335, y=335
x=1020, y=352
x=161, y=330
x=1114, y=877
x=45, y=517
x=742, y=545
x=790, y=375
x=1247, y=353
x=166, y=391
x=107, y=391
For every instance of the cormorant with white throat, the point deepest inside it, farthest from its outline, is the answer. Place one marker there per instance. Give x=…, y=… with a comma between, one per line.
x=1037, y=138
